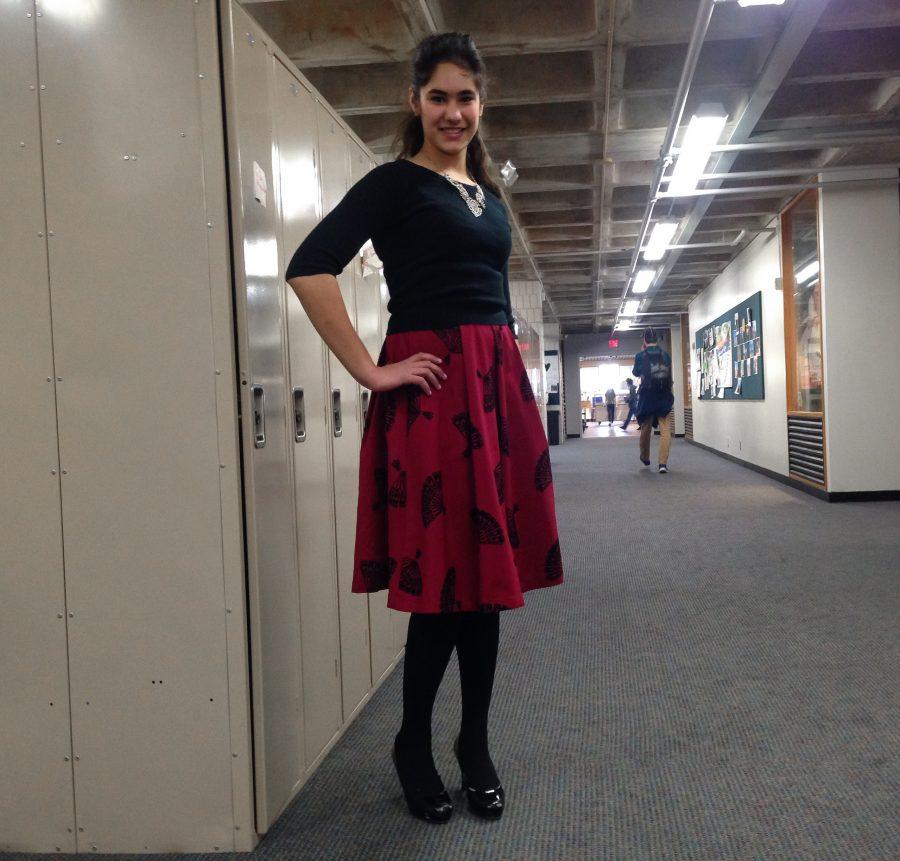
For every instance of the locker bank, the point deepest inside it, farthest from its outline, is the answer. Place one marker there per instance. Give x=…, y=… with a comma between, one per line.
x=125, y=366
x=180, y=649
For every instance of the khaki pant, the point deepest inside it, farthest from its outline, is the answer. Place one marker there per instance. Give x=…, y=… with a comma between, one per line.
x=665, y=437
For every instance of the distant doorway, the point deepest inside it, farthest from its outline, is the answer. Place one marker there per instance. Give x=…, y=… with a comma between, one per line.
x=600, y=379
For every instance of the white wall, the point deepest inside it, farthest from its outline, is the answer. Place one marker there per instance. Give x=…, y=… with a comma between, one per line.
x=860, y=251
x=755, y=431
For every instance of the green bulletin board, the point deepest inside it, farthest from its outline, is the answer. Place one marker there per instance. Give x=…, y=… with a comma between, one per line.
x=729, y=354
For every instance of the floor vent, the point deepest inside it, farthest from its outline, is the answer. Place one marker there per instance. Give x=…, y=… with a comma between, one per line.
x=689, y=422
x=806, y=448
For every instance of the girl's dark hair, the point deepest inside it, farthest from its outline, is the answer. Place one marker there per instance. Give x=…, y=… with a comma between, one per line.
x=458, y=48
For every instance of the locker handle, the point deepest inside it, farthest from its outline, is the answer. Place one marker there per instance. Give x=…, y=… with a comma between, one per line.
x=364, y=398
x=336, y=411
x=299, y=416
x=259, y=416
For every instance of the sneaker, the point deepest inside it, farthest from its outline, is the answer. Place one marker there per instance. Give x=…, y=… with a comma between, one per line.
x=663, y=468
x=645, y=462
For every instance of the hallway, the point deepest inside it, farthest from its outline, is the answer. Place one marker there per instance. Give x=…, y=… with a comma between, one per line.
x=725, y=688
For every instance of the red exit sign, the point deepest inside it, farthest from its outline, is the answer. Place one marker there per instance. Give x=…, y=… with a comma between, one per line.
x=613, y=343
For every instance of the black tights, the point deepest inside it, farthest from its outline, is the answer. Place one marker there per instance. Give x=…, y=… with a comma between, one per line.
x=429, y=644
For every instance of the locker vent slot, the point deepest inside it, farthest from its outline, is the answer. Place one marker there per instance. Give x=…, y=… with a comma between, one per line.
x=689, y=422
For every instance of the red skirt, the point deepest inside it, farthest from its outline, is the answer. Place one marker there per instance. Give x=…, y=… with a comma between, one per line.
x=456, y=509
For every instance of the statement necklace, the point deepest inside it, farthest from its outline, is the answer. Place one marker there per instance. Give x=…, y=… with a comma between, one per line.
x=476, y=206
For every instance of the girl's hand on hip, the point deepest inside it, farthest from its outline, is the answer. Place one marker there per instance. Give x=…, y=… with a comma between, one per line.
x=420, y=369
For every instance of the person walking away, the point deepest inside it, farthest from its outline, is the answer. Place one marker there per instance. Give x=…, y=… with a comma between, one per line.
x=631, y=402
x=610, y=400
x=653, y=366
x=455, y=515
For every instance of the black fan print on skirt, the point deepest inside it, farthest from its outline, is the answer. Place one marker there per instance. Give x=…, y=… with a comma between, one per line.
x=543, y=477
x=491, y=608
x=397, y=493
x=381, y=489
x=511, y=528
x=498, y=345
x=449, y=604
x=503, y=434
x=377, y=573
x=489, y=531
x=489, y=381
x=411, y=575
x=432, y=498
x=498, y=479
x=525, y=387
x=463, y=423
x=451, y=337
x=553, y=564
x=414, y=409
x=390, y=409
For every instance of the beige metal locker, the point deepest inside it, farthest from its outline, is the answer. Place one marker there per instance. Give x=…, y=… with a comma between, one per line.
x=36, y=805
x=295, y=112
x=173, y=512
x=356, y=673
x=145, y=428
x=369, y=280
x=271, y=532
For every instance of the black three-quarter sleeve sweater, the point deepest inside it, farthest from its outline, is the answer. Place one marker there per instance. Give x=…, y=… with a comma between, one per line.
x=443, y=266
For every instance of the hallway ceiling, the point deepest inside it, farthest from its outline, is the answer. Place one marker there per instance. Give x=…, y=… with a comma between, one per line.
x=584, y=125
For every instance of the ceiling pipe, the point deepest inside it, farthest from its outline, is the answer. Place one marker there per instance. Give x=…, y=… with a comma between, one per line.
x=784, y=188
x=809, y=142
x=698, y=34
x=789, y=171
x=605, y=162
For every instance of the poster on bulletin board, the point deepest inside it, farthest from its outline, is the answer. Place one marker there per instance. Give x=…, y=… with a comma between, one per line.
x=729, y=354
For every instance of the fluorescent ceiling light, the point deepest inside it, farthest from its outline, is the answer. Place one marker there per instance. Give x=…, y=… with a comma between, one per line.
x=760, y=2
x=807, y=273
x=624, y=324
x=701, y=136
x=643, y=280
x=631, y=307
x=660, y=239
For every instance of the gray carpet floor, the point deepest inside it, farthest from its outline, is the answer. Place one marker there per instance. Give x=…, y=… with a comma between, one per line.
x=717, y=680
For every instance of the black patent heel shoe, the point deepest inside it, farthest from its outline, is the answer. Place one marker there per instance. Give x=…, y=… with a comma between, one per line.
x=486, y=803
x=430, y=807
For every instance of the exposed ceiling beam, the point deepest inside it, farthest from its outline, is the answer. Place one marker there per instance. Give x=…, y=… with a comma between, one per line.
x=802, y=21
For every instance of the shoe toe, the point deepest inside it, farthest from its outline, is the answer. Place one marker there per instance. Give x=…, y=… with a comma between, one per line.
x=486, y=803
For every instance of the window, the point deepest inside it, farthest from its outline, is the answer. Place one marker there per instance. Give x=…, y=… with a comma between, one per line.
x=802, y=305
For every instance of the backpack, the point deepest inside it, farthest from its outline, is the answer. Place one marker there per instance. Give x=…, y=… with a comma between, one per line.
x=656, y=372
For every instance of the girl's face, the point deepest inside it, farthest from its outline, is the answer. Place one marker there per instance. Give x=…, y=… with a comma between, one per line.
x=450, y=108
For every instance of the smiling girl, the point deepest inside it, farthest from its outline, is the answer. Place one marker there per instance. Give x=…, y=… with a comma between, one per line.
x=456, y=513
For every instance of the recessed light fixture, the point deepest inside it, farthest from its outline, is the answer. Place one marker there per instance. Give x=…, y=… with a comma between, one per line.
x=631, y=307
x=643, y=280
x=509, y=173
x=701, y=136
x=659, y=240
x=624, y=323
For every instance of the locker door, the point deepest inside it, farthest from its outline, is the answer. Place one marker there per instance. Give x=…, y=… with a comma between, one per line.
x=356, y=671
x=36, y=798
x=275, y=630
x=295, y=112
x=368, y=317
x=137, y=406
